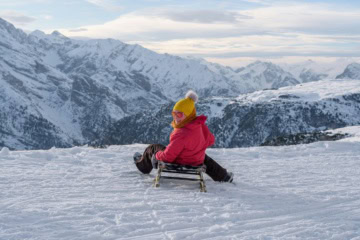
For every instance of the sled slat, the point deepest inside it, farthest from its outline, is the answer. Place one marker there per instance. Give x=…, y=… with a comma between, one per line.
x=180, y=178
x=180, y=169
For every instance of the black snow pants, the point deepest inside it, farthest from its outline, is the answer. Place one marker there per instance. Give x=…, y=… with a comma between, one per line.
x=213, y=169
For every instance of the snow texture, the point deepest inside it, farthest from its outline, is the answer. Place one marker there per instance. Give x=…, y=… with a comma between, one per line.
x=296, y=192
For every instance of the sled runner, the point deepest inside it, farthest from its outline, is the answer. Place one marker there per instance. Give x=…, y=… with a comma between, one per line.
x=173, y=169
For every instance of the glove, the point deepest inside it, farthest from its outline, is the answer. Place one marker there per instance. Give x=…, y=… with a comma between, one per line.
x=154, y=161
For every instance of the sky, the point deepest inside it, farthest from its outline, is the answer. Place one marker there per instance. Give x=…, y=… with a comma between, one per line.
x=229, y=32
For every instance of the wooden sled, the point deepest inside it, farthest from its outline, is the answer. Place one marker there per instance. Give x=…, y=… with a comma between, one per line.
x=180, y=169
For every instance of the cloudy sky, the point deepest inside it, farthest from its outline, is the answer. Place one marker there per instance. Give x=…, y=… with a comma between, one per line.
x=230, y=32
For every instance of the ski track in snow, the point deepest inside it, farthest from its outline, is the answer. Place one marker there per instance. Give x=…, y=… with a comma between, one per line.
x=294, y=192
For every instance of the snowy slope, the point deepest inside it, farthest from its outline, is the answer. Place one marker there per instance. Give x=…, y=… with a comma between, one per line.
x=352, y=71
x=307, y=92
x=259, y=76
x=255, y=76
x=295, y=192
x=314, y=71
x=353, y=131
x=254, y=118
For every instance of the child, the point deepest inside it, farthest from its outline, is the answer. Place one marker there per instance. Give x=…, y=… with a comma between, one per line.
x=188, y=143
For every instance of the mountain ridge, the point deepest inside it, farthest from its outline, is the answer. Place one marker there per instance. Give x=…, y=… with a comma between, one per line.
x=255, y=118
x=81, y=87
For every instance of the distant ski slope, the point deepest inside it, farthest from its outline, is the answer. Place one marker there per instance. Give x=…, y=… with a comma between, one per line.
x=295, y=192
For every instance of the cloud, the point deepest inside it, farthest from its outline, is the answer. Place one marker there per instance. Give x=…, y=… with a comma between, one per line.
x=267, y=31
x=157, y=27
x=47, y=17
x=16, y=17
x=280, y=19
x=78, y=30
x=18, y=3
x=202, y=16
x=96, y=2
x=256, y=46
x=307, y=18
x=109, y=5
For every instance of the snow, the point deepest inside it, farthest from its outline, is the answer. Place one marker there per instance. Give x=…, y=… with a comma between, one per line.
x=353, y=131
x=4, y=151
x=293, y=192
x=52, y=58
x=332, y=68
x=313, y=91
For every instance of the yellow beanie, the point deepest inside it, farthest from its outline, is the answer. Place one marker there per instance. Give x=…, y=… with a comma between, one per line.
x=187, y=104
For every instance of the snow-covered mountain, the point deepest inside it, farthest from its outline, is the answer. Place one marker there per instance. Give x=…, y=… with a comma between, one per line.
x=310, y=70
x=74, y=89
x=57, y=91
x=255, y=76
x=254, y=118
x=352, y=71
x=262, y=75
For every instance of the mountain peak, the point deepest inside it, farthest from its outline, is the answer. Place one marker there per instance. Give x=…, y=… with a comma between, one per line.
x=352, y=71
x=354, y=65
x=263, y=65
x=58, y=34
x=6, y=25
x=37, y=33
x=15, y=33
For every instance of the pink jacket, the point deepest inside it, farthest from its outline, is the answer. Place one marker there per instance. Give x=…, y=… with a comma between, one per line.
x=188, y=144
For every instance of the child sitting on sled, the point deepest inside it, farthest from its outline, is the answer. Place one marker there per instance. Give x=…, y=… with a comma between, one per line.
x=188, y=142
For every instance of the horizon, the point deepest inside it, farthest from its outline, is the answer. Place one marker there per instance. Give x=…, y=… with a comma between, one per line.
x=231, y=33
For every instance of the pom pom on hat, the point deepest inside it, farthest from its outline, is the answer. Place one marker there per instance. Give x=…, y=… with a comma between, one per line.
x=191, y=94
x=187, y=105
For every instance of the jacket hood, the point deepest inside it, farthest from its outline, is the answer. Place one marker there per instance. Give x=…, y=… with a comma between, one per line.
x=199, y=120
